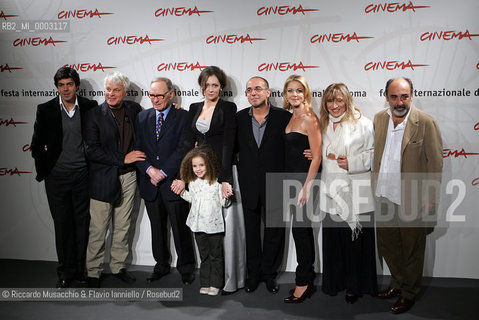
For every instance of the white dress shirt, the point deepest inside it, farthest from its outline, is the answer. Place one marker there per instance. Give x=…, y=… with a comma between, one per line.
x=389, y=178
x=70, y=113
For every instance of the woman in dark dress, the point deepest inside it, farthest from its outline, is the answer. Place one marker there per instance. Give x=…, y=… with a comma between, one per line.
x=302, y=132
x=212, y=122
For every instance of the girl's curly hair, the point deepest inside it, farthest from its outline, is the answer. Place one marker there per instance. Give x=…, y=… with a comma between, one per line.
x=211, y=161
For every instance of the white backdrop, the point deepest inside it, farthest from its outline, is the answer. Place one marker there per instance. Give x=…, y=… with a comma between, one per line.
x=360, y=43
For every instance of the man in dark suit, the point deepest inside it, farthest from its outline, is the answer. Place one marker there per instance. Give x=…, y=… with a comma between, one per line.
x=160, y=137
x=260, y=143
x=57, y=147
x=110, y=135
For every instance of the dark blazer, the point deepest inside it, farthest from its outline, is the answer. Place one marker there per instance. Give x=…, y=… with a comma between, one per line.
x=220, y=136
x=255, y=162
x=166, y=154
x=47, y=137
x=102, y=143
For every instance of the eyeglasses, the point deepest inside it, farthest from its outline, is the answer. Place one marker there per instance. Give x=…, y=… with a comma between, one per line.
x=159, y=96
x=251, y=90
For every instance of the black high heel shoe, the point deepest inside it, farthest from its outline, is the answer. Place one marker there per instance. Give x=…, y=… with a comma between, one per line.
x=351, y=298
x=310, y=289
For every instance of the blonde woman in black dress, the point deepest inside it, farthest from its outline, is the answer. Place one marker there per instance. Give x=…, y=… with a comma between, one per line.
x=302, y=133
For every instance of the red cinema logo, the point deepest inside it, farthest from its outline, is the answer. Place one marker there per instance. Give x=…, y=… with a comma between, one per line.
x=11, y=172
x=392, y=7
x=85, y=67
x=26, y=148
x=475, y=182
x=337, y=37
x=392, y=65
x=180, y=66
x=5, y=16
x=231, y=39
x=284, y=66
x=11, y=122
x=283, y=10
x=80, y=14
x=447, y=35
x=476, y=126
x=179, y=11
x=35, y=42
x=457, y=153
x=6, y=67
x=131, y=40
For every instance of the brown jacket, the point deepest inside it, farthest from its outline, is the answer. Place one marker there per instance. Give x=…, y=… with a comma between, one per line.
x=421, y=155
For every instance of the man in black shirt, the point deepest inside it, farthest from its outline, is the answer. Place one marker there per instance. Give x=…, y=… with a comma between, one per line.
x=110, y=133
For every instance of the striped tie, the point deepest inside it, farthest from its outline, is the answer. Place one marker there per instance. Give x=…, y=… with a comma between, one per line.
x=158, y=126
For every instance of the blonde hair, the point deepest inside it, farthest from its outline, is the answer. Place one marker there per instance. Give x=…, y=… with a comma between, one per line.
x=332, y=92
x=307, y=91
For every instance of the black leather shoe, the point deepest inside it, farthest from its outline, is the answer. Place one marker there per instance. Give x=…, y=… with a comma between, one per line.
x=63, y=283
x=188, y=278
x=272, y=285
x=351, y=298
x=93, y=282
x=155, y=276
x=402, y=305
x=306, y=294
x=389, y=293
x=80, y=278
x=125, y=276
x=251, y=285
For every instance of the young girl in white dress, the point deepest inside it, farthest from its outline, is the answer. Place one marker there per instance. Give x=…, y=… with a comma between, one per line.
x=200, y=169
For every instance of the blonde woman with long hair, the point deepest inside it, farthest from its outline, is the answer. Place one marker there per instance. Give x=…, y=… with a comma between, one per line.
x=302, y=132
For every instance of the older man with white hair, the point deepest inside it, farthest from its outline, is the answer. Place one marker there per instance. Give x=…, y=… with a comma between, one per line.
x=110, y=132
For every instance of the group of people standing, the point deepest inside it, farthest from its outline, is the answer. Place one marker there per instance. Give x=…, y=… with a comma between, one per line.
x=91, y=156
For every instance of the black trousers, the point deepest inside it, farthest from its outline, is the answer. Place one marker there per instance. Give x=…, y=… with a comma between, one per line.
x=212, y=269
x=69, y=202
x=159, y=211
x=263, y=261
x=305, y=254
x=348, y=265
